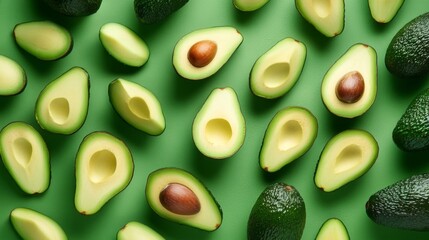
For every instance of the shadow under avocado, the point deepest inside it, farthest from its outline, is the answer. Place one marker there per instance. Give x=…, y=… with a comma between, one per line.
x=206, y=166
x=261, y=105
x=384, y=232
x=412, y=162
x=405, y=87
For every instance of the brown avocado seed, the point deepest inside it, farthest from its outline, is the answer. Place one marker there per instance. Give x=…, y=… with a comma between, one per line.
x=351, y=87
x=179, y=199
x=202, y=53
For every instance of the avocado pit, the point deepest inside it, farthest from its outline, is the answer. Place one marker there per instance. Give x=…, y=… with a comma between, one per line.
x=350, y=88
x=202, y=53
x=179, y=199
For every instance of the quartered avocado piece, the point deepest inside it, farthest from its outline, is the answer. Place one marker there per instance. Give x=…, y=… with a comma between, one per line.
x=13, y=78
x=26, y=157
x=74, y=8
x=30, y=224
x=45, y=40
x=178, y=196
x=203, y=52
x=219, y=127
x=104, y=167
x=62, y=106
x=327, y=16
x=349, y=87
x=154, y=11
x=289, y=135
x=331, y=229
x=277, y=70
x=124, y=44
x=137, y=106
x=249, y=5
x=345, y=157
x=137, y=231
x=383, y=11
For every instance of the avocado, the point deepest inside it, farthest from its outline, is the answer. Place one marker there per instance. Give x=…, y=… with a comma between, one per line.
x=333, y=228
x=104, y=167
x=403, y=204
x=178, y=196
x=62, y=106
x=154, y=11
x=219, y=127
x=326, y=16
x=249, y=5
x=124, y=44
x=74, y=8
x=30, y=224
x=407, y=55
x=383, y=11
x=13, y=78
x=277, y=70
x=44, y=40
x=278, y=213
x=289, y=135
x=201, y=53
x=26, y=157
x=411, y=132
x=345, y=157
x=137, y=231
x=137, y=106
x=349, y=87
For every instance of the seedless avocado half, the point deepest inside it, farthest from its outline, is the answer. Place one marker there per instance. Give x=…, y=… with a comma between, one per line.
x=135, y=231
x=383, y=11
x=333, y=228
x=249, y=5
x=13, y=78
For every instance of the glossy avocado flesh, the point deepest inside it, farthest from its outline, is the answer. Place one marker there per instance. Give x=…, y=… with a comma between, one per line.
x=349, y=87
x=277, y=70
x=289, y=135
x=383, y=11
x=137, y=231
x=26, y=157
x=104, y=167
x=331, y=229
x=178, y=196
x=278, y=213
x=154, y=11
x=203, y=52
x=345, y=157
x=74, y=8
x=403, y=204
x=13, y=78
x=249, y=5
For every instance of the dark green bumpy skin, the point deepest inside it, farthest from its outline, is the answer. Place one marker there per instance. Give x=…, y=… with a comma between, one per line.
x=403, y=204
x=278, y=214
x=408, y=53
x=74, y=8
x=153, y=11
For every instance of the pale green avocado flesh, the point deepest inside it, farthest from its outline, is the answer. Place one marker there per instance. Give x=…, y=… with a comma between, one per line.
x=383, y=11
x=333, y=229
x=137, y=231
x=13, y=78
x=249, y=5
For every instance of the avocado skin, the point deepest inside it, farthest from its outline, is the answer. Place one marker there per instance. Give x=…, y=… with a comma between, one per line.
x=403, y=204
x=408, y=53
x=411, y=132
x=279, y=213
x=153, y=11
x=74, y=8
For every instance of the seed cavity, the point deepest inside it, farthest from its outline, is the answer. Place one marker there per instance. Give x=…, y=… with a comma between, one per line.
x=139, y=108
x=218, y=132
x=179, y=199
x=22, y=151
x=102, y=165
x=322, y=7
x=349, y=158
x=202, y=53
x=290, y=135
x=276, y=74
x=59, y=110
x=350, y=88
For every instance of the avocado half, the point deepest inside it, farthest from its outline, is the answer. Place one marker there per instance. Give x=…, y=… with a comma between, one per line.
x=249, y=5
x=383, y=11
x=137, y=231
x=13, y=78
x=333, y=228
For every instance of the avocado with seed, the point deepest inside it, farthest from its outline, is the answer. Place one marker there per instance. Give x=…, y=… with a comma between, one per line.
x=289, y=135
x=137, y=106
x=44, y=40
x=154, y=11
x=349, y=87
x=201, y=53
x=278, y=213
x=74, y=8
x=30, y=224
x=333, y=228
x=137, y=231
x=326, y=16
x=249, y=5
x=13, y=78
x=219, y=127
x=104, y=167
x=277, y=70
x=178, y=196
x=383, y=11
x=26, y=157
x=345, y=157
x=62, y=106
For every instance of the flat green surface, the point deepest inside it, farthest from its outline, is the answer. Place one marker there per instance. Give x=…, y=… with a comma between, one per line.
x=235, y=182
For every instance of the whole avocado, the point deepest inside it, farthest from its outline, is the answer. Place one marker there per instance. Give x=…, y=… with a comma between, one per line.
x=408, y=53
x=74, y=8
x=153, y=11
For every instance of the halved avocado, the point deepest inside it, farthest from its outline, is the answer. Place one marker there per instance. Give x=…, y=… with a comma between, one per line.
x=104, y=167
x=124, y=44
x=333, y=228
x=74, y=8
x=327, y=16
x=249, y=5
x=349, y=87
x=277, y=70
x=26, y=157
x=45, y=40
x=219, y=127
x=289, y=135
x=137, y=231
x=203, y=52
x=345, y=157
x=62, y=106
x=137, y=106
x=178, y=196
x=383, y=11
x=13, y=78
x=30, y=224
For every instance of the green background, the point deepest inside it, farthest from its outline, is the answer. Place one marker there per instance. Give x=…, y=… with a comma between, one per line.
x=235, y=182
